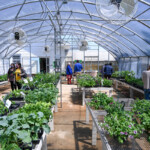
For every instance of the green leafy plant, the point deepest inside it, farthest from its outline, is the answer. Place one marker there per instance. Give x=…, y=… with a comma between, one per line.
x=3, y=109
x=100, y=101
x=33, y=108
x=17, y=128
x=121, y=126
x=48, y=95
x=98, y=81
x=46, y=78
x=142, y=110
x=86, y=80
x=46, y=85
x=116, y=74
x=15, y=93
x=107, y=83
x=30, y=84
x=3, y=77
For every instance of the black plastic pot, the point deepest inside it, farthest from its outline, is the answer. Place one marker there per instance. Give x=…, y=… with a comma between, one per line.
x=26, y=146
x=16, y=99
x=34, y=143
x=14, y=106
x=40, y=133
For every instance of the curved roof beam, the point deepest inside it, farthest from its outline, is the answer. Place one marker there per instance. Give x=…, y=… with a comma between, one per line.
x=96, y=35
x=90, y=34
x=113, y=31
x=74, y=12
x=93, y=3
x=91, y=37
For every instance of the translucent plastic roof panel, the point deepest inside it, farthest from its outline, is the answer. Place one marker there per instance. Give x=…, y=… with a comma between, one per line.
x=79, y=18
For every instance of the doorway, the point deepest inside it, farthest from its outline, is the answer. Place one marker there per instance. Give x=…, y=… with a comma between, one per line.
x=44, y=65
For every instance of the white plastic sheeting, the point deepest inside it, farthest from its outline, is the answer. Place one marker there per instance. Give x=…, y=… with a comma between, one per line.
x=138, y=65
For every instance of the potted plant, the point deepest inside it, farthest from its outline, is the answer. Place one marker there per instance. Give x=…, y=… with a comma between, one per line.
x=121, y=126
x=15, y=95
x=86, y=80
x=3, y=109
x=3, y=78
x=99, y=101
x=107, y=83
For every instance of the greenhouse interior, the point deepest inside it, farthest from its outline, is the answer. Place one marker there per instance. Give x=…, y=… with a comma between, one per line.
x=74, y=74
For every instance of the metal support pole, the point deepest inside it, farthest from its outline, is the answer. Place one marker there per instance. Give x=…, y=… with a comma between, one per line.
x=130, y=63
x=108, y=57
x=147, y=62
x=84, y=61
x=72, y=52
x=9, y=62
x=138, y=66
x=98, y=60
x=3, y=67
x=55, y=42
x=60, y=71
x=30, y=62
x=46, y=62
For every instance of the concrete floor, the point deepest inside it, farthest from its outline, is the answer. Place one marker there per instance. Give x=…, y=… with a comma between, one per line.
x=71, y=132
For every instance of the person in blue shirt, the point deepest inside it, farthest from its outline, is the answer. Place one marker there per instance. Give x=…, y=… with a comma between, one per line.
x=108, y=70
x=69, y=73
x=77, y=68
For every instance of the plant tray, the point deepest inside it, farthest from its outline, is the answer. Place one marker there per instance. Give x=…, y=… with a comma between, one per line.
x=14, y=106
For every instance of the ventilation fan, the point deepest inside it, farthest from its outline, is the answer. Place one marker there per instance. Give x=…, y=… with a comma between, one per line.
x=46, y=49
x=83, y=46
x=117, y=11
x=18, y=37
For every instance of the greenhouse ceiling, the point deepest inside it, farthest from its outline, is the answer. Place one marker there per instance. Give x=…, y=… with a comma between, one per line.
x=76, y=18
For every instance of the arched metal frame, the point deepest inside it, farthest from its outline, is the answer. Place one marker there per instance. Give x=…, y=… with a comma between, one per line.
x=95, y=29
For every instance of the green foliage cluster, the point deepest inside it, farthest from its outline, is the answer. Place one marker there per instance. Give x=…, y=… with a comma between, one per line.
x=3, y=109
x=118, y=122
x=3, y=78
x=86, y=80
x=46, y=78
x=142, y=110
x=107, y=83
x=17, y=129
x=129, y=78
x=122, y=74
x=43, y=95
x=99, y=101
x=122, y=126
x=22, y=126
x=15, y=93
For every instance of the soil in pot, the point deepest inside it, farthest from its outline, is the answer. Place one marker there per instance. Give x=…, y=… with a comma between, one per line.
x=16, y=98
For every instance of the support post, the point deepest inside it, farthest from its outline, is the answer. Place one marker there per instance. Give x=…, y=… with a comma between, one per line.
x=87, y=115
x=30, y=62
x=131, y=92
x=3, y=67
x=98, y=60
x=84, y=61
x=83, y=97
x=94, y=134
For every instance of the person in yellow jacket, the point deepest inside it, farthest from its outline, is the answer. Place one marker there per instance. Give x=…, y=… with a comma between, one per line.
x=19, y=73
